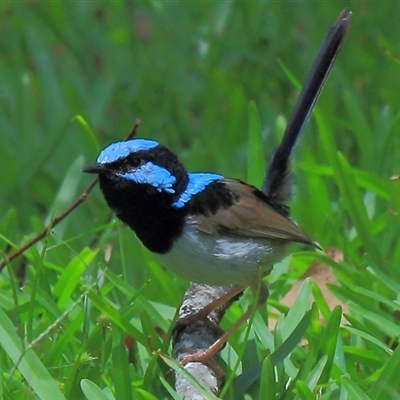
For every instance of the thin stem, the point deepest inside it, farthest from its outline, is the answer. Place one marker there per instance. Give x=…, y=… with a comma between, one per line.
x=56, y=220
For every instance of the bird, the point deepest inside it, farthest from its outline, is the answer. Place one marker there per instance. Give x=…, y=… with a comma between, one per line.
x=203, y=226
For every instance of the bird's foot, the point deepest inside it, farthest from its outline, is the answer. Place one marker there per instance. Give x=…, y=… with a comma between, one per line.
x=202, y=356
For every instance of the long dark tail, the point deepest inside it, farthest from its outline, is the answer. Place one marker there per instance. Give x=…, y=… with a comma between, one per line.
x=277, y=182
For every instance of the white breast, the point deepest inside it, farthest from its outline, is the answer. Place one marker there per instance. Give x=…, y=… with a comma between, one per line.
x=221, y=260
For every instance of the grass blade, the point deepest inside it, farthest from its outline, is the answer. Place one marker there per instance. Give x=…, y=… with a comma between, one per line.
x=27, y=362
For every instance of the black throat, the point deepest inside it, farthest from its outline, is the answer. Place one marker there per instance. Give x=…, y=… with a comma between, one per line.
x=148, y=212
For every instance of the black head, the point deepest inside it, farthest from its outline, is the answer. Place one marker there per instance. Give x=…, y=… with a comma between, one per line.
x=140, y=180
x=141, y=162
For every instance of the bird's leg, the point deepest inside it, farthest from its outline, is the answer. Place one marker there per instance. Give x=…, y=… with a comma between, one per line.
x=204, y=312
x=206, y=355
x=199, y=315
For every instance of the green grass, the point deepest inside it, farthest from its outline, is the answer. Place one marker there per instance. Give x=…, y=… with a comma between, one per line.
x=204, y=76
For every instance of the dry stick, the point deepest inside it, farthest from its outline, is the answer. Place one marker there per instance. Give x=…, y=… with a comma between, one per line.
x=199, y=336
x=56, y=220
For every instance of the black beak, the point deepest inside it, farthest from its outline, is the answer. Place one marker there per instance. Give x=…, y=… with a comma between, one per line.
x=94, y=169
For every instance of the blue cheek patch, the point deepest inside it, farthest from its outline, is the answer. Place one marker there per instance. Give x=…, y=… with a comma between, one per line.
x=197, y=182
x=122, y=149
x=154, y=175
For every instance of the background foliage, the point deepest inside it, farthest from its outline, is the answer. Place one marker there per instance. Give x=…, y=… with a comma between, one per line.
x=190, y=69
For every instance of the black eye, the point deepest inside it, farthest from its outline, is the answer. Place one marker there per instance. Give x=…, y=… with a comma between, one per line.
x=134, y=161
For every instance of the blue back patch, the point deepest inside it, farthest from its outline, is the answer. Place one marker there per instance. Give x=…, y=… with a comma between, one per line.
x=197, y=182
x=152, y=174
x=123, y=148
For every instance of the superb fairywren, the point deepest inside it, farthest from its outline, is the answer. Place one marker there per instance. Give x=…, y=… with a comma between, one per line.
x=203, y=226
x=206, y=228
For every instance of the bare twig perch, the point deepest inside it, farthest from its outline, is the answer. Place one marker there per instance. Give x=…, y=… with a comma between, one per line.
x=198, y=335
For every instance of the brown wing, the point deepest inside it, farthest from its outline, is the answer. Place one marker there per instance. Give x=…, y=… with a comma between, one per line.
x=249, y=216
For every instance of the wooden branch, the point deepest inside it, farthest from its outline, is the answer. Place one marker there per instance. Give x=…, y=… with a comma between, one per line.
x=198, y=335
